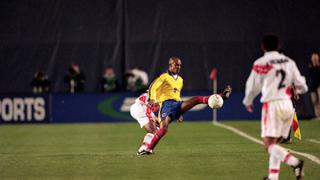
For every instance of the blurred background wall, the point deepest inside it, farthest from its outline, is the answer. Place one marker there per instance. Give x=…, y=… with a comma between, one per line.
x=49, y=35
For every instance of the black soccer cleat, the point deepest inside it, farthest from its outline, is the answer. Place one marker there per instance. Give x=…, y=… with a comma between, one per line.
x=143, y=152
x=226, y=92
x=299, y=170
x=265, y=178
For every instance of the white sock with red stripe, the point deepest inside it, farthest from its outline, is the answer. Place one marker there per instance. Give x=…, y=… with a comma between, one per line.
x=274, y=168
x=147, y=139
x=282, y=154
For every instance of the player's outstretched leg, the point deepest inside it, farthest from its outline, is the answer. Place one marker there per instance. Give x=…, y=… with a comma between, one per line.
x=190, y=103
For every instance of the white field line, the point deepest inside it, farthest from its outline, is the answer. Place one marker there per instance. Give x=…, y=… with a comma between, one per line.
x=245, y=135
x=314, y=141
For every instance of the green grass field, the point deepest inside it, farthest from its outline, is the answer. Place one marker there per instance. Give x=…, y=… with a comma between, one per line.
x=190, y=150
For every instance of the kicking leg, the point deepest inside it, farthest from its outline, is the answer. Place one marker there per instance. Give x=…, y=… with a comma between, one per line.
x=190, y=103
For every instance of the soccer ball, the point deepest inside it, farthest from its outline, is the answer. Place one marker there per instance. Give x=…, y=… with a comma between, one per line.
x=215, y=101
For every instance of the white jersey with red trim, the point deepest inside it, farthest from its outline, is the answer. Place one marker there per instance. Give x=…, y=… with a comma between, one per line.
x=142, y=99
x=273, y=75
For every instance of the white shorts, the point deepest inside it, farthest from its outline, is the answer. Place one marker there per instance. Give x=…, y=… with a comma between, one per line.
x=138, y=112
x=276, y=118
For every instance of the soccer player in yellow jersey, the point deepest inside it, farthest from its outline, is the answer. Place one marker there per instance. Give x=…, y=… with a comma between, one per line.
x=165, y=90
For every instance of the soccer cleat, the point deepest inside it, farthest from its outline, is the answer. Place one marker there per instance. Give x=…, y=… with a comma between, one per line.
x=299, y=170
x=226, y=92
x=144, y=152
x=142, y=147
x=265, y=178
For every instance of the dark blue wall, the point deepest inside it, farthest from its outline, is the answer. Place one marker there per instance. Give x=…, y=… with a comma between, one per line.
x=49, y=35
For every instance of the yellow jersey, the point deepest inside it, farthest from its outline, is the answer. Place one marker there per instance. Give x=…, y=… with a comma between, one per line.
x=166, y=87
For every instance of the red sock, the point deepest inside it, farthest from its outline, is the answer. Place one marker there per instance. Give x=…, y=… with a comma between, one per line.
x=159, y=134
x=202, y=99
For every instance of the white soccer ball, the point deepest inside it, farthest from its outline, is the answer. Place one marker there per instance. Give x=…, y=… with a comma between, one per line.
x=215, y=101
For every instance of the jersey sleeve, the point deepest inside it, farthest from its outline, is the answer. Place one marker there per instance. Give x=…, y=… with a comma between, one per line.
x=253, y=87
x=299, y=81
x=154, y=87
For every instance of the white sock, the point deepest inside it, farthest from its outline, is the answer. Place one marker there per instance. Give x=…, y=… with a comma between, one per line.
x=146, y=141
x=274, y=168
x=282, y=154
x=147, y=138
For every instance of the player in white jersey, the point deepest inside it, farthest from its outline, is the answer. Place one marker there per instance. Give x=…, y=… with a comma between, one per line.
x=273, y=75
x=143, y=112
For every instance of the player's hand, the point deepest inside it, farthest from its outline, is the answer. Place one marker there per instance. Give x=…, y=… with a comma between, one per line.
x=296, y=96
x=180, y=120
x=150, y=102
x=249, y=108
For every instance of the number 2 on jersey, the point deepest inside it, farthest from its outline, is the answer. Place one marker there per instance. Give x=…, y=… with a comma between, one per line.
x=282, y=73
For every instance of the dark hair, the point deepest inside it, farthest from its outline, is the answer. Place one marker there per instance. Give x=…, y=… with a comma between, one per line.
x=72, y=71
x=39, y=74
x=270, y=43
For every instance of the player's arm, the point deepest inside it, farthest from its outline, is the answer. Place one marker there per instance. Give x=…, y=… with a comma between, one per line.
x=253, y=88
x=299, y=81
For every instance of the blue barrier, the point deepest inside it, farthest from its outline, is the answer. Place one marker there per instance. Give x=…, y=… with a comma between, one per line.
x=90, y=107
x=107, y=107
x=233, y=109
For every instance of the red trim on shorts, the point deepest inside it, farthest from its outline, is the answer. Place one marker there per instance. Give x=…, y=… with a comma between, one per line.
x=265, y=108
x=274, y=171
x=288, y=156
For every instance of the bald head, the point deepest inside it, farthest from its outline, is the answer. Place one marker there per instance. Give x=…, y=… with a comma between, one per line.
x=174, y=65
x=174, y=60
